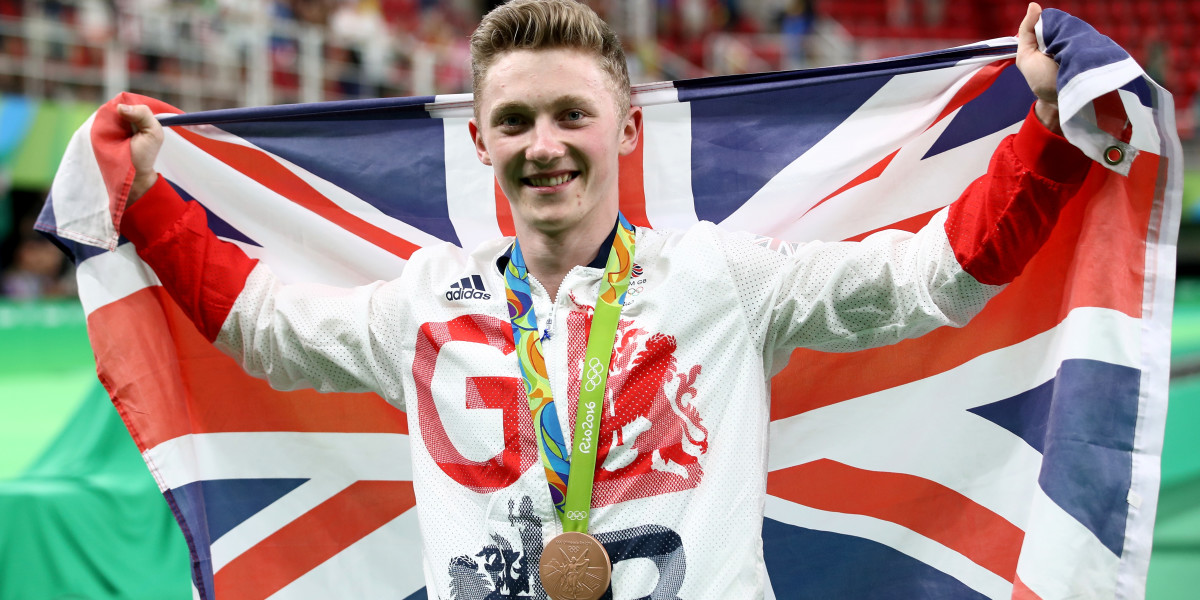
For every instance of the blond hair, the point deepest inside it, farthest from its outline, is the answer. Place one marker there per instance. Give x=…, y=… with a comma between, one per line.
x=546, y=24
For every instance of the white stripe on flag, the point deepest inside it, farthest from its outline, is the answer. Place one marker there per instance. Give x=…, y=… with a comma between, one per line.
x=1063, y=559
x=196, y=457
x=1156, y=360
x=1145, y=135
x=80, y=200
x=667, y=160
x=470, y=186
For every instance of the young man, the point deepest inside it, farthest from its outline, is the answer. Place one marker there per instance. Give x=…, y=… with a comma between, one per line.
x=662, y=395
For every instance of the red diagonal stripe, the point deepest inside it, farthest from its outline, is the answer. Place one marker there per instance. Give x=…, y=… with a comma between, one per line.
x=926, y=507
x=911, y=224
x=265, y=170
x=174, y=386
x=872, y=172
x=1094, y=257
x=315, y=537
x=632, y=187
x=504, y=216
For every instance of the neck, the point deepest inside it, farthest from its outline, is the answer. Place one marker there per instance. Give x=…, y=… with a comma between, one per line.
x=550, y=256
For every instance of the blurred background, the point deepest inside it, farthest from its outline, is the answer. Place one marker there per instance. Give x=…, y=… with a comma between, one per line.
x=60, y=59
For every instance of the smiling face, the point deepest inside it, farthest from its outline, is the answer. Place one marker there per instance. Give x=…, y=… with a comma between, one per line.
x=550, y=127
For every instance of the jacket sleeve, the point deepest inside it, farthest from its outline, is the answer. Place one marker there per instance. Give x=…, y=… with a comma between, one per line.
x=294, y=336
x=893, y=285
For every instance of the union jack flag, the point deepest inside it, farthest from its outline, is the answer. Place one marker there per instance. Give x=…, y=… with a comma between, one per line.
x=1016, y=457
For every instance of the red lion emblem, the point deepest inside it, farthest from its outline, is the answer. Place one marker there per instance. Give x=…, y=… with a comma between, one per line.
x=651, y=436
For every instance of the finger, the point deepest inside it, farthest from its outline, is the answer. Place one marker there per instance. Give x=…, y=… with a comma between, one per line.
x=1025, y=32
x=138, y=115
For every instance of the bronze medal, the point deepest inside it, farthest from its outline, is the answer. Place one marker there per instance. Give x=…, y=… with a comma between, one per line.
x=574, y=566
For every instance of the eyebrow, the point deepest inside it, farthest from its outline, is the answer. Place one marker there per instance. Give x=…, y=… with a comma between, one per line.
x=561, y=101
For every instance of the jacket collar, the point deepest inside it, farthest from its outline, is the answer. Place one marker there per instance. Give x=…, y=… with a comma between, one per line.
x=600, y=261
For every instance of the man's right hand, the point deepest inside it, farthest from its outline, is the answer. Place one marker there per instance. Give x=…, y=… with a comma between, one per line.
x=146, y=139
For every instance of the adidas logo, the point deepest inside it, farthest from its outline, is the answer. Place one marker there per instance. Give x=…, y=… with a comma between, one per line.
x=468, y=288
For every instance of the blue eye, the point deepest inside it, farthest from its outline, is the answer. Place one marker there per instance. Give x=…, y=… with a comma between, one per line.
x=574, y=115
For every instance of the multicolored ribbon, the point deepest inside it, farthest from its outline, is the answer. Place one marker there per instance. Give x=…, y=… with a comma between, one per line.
x=551, y=446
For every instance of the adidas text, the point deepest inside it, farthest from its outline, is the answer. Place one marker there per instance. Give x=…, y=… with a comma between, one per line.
x=460, y=294
x=468, y=288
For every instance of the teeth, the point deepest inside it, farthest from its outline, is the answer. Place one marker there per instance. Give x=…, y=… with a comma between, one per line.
x=549, y=181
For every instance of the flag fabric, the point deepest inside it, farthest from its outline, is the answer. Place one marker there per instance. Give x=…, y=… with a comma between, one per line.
x=1016, y=457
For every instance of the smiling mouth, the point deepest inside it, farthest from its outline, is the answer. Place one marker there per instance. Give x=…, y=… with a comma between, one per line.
x=544, y=182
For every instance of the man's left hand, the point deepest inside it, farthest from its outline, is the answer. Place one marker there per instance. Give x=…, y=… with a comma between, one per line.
x=1039, y=69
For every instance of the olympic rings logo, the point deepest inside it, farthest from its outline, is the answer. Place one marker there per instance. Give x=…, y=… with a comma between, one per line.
x=576, y=515
x=594, y=374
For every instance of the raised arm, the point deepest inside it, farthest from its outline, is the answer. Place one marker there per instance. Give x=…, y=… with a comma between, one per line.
x=895, y=285
x=294, y=336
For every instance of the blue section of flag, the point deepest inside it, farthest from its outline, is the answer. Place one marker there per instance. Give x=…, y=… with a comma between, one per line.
x=1024, y=415
x=1083, y=422
x=187, y=503
x=209, y=509
x=1077, y=46
x=805, y=563
x=420, y=594
x=1005, y=103
x=228, y=502
x=740, y=142
x=368, y=109
x=386, y=160
x=1087, y=467
x=1142, y=90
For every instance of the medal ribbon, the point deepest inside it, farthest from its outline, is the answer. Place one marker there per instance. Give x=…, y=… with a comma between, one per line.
x=573, y=502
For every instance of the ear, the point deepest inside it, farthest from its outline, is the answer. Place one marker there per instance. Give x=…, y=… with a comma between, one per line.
x=477, y=138
x=631, y=131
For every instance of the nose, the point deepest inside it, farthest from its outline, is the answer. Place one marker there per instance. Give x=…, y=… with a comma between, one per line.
x=545, y=147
